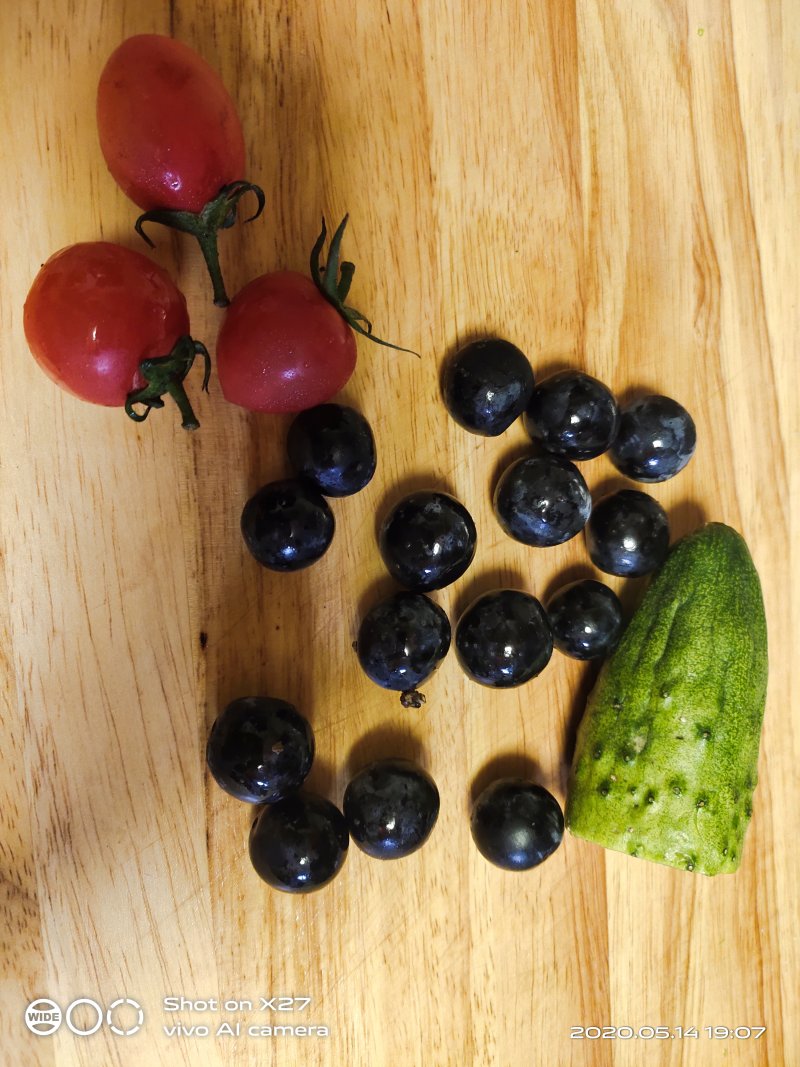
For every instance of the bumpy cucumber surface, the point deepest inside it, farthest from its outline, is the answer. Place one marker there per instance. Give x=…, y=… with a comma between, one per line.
x=666, y=757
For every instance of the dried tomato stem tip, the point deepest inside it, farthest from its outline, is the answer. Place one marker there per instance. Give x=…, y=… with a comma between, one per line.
x=218, y=214
x=333, y=281
x=165, y=374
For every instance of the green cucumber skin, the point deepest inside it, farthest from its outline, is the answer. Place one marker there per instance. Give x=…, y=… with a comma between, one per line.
x=666, y=757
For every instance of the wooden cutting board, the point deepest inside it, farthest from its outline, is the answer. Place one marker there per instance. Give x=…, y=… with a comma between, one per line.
x=611, y=186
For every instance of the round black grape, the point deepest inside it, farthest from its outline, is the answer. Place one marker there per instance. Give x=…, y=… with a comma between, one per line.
x=287, y=525
x=628, y=534
x=260, y=749
x=572, y=415
x=427, y=541
x=517, y=824
x=503, y=639
x=333, y=447
x=402, y=641
x=391, y=807
x=542, y=501
x=487, y=385
x=298, y=844
x=656, y=439
x=586, y=619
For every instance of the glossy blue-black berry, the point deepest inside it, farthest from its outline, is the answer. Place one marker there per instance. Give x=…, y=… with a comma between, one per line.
x=299, y=843
x=287, y=525
x=656, y=439
x=542, y=500
x=402, y=641
x=332, y=446
x=586, y=619
x=503, y=639
x=517, y=824
x=427, y=541
x=628, y=534
x=572, y=414
x=487, y=385
x=260, y=749
x=391, y=807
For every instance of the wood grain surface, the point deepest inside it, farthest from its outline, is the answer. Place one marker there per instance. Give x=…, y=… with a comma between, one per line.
x=610, y=185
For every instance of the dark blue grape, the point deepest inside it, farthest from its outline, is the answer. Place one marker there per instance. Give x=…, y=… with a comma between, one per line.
x=402, y=641
x=427, y=541
x=517, y=824
x=487, y=385
x=391, y=807
x=542, y=500
x=586, y=619
x=656, y=439
x=503, y=639
x=332, y=446
x=628, y=534
x=299, y=844
x=572, y=415
x=260, y=749
x=287, y=525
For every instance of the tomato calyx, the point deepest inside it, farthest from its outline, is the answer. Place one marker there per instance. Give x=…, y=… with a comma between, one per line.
x=165, y=374
x=334, y=279
x=218, y=214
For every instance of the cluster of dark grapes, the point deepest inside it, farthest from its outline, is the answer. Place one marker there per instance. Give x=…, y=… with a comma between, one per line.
x=260, y=749
x=506, y=636
x=288, y=524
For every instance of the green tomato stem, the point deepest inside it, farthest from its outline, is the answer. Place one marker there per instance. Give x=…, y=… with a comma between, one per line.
x=334, y=279
x=165, y=374
x=218, y=214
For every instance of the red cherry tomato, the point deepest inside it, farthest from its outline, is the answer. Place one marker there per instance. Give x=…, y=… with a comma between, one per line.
x=102, y=322
x=168, y=127
x=172, y=140
x=287, y=342
x=282, y=346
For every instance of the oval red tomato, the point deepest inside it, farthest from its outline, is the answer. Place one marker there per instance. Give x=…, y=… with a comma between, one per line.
x=110, y=327
x=283, y=347
x=168, y=128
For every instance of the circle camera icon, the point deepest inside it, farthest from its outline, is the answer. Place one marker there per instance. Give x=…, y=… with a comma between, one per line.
x=139, y=1016
x=43, y=1017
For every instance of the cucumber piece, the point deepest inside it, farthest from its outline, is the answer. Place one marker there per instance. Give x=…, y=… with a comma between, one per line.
x=666, y=757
